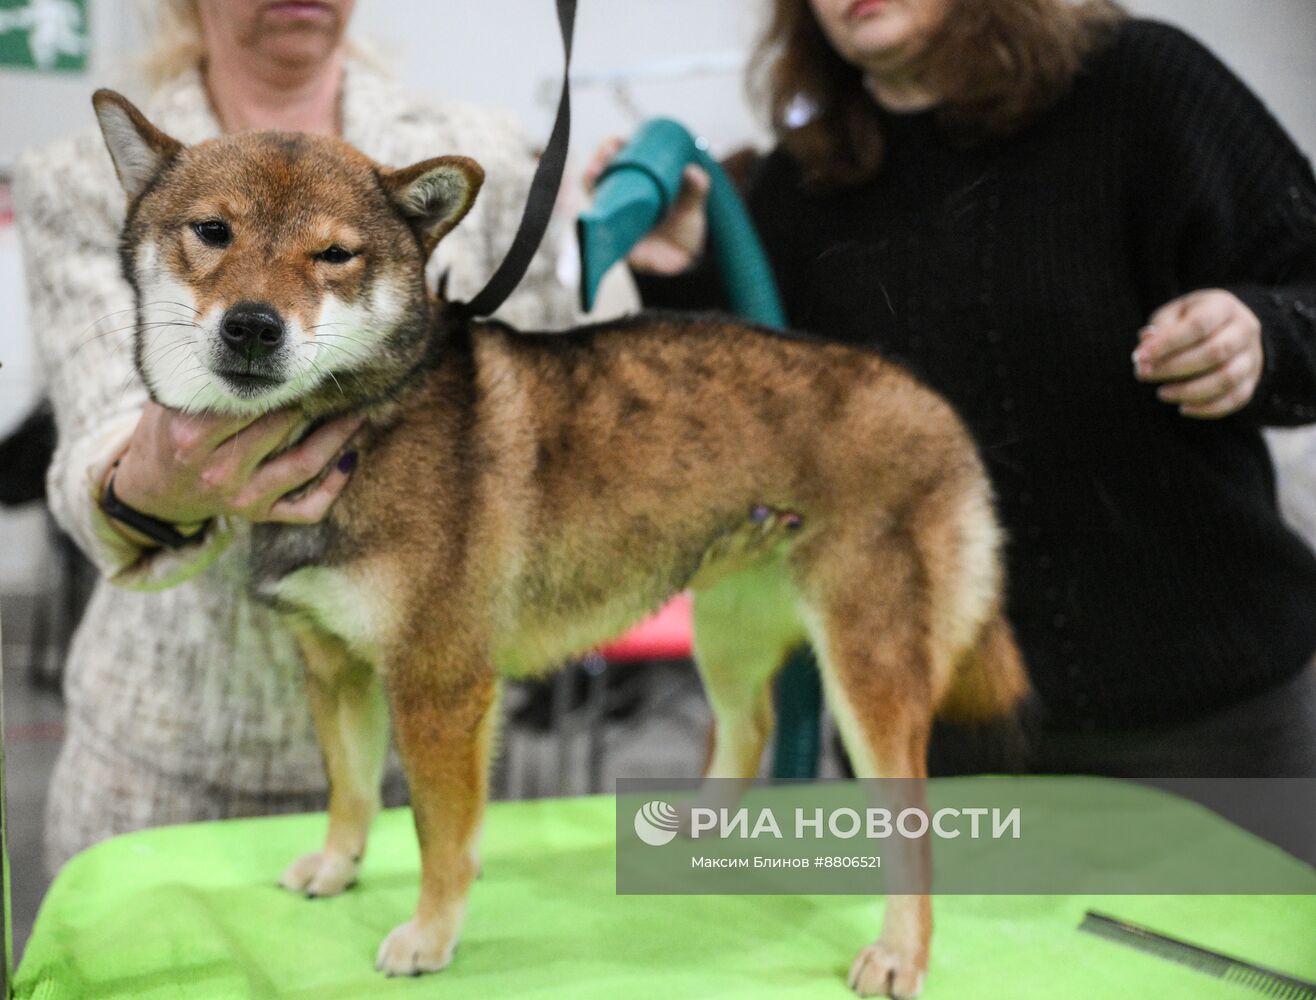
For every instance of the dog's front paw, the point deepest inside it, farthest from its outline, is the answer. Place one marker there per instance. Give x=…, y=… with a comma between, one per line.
x=324, y=873
x=883, y=971
x=412, y=949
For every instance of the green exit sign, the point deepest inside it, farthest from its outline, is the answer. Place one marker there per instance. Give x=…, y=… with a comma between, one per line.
x=48, y=35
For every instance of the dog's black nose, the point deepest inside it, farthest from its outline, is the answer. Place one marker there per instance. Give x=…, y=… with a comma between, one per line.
x=252, y=330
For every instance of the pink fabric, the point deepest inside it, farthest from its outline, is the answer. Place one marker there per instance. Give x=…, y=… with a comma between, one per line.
x=665, y=636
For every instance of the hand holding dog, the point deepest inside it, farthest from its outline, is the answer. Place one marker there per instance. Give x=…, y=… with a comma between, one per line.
x=676, y=243
x=187, y=469
x=1207, y=347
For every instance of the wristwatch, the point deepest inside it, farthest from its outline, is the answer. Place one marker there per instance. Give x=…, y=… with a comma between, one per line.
x=161, y=532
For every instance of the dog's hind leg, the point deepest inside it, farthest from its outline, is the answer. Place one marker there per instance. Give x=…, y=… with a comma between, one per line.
x=445, y=720
x=869, y=618
x=744, y=628
x=351, y=721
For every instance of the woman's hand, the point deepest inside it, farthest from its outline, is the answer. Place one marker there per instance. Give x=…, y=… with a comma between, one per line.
x=1206, y=347
x=186, y=469
x=677, y=242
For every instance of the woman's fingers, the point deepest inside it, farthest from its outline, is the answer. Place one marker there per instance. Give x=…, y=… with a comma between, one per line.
x=1231, y=402
x=677, y=241
x=1200, y=356
x=1174, y=310
x=298, y=465
x=1206, y=391
x=604, y=155
x=312, y=506
x=685, y=218
x=695, y=184
x=1180, y=326
x=1210, y=385
x=1207, y=348
x=194, y=436
x=235, y=459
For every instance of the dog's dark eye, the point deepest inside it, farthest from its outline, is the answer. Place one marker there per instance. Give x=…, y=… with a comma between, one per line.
x=213, y=232
x=335, y=255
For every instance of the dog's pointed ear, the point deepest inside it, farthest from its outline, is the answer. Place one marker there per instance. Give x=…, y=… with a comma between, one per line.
x=139, y=149
x=434, y=195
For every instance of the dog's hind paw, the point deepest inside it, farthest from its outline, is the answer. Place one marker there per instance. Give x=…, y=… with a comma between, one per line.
x=324, y=873
x=881, y=971
x=411, y=949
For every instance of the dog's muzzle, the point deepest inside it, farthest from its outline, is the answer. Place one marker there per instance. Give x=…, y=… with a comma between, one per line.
x=252, y=331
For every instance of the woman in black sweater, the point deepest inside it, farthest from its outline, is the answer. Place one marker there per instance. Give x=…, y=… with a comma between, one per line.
x=1097, y=243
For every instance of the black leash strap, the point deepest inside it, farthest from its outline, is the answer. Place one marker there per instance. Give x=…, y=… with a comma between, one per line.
x=543, y=189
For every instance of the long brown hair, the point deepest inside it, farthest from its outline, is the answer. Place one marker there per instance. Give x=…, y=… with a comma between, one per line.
x=995, y=64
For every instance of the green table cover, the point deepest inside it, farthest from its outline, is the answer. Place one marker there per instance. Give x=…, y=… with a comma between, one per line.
x=193, y=911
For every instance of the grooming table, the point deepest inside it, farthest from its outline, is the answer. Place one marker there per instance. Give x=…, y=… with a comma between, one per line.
x=193, y=911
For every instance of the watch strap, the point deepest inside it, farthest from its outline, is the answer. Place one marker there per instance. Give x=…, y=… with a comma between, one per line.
x=161, y=532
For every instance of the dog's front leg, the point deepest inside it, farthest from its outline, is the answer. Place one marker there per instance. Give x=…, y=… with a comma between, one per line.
x=351, y=721
x=445, y=723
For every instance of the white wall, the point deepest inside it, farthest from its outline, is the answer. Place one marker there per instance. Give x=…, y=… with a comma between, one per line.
x=507, y=53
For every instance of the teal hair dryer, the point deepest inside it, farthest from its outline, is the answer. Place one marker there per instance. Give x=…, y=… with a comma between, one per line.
x=633, y=193
x=636, y=190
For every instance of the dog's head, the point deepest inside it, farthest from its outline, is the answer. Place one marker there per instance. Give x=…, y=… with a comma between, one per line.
x=270, y=267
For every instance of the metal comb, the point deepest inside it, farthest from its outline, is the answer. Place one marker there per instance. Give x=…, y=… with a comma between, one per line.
x=1269, y=982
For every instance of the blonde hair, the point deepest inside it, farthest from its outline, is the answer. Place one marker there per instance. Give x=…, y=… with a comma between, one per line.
x=176, y=42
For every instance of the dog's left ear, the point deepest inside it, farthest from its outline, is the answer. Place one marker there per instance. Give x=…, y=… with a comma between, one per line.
x=139, y=149
x=434, y=195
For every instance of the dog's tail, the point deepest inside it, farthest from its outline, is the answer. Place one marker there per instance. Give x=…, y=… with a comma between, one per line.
x=989, y=679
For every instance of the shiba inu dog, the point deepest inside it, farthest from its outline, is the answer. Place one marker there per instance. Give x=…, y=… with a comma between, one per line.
x=523, y=497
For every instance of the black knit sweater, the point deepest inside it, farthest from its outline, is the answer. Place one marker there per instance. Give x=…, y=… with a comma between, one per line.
x=1150, y=576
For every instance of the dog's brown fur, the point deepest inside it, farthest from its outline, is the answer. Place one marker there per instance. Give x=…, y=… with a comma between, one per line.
x=523, y=497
